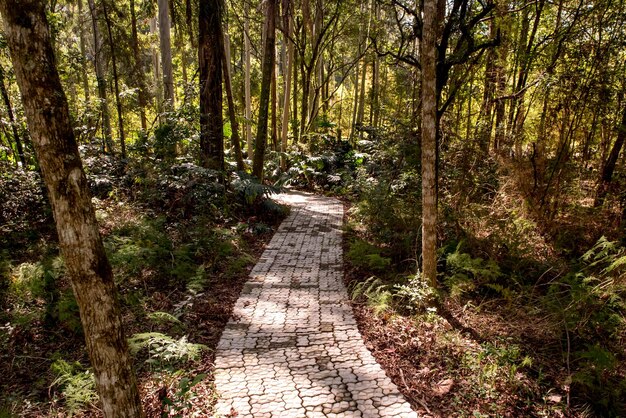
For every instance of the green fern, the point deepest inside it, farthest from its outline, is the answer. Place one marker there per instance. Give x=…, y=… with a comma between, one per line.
x=378, y=295
x=164, y=351
x=76, y=384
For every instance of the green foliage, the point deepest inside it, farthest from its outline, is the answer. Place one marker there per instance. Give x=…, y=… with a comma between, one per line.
x=590, y=305
x=377, y=294
x=366, y=256
x=250, y=190
x=165, y=318
x=465, y=274
x=416, y=294
x=389, y=209
x=76, y=384
x=175, y=405
x=68, y=312
x=237, y=265
x=163, y=351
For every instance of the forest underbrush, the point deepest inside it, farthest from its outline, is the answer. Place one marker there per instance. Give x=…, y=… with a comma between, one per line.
x=528, y=318
x=180, y=243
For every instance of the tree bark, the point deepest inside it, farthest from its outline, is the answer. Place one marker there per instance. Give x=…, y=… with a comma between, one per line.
x=429, y=122
x=48, y=119
x=101, y=79
x=137, y=70
x=268, y=68
x=166, y=52
x=287, y=73
x=83, y=49
x=248, y=98
x=611, y=162
x=7, y=104
x=210, y=57
x=234, y=125
x=118, y=101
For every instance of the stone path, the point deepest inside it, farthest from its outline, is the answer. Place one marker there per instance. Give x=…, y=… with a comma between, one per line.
x=292, y=347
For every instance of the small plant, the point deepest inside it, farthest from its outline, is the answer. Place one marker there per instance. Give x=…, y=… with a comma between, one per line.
x=179, y=401
x=77, y=384
x=164, y=351
x=366, y=256
x=466, y=274
x=416, y=294
x=377, y=294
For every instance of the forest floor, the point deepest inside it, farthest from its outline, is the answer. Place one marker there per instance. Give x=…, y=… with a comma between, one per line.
x=178, y=282
x=485, y=356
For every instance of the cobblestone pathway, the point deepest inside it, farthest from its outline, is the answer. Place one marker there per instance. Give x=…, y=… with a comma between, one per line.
x=292, y=347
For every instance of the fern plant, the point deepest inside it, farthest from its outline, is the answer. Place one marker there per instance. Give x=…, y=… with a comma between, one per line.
x=378, y=294
x=76, y=384
x=164, y=351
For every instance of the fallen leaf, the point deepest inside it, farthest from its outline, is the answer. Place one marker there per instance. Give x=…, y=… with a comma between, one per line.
x=443, y=387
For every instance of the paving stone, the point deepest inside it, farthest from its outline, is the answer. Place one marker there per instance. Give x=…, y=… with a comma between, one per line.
x=292, y=347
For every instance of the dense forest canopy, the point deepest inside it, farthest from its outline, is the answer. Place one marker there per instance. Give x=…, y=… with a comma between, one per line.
x=478, y=143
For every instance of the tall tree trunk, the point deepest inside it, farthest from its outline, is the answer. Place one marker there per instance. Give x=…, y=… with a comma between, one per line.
x=274, y=120
x=83, y=52
x=7, y=104
x=118, y=101
x=156, y=70
x=288, y=70
x=137, y=70
x=210, y=57
x=268, y=67
x=48, y=119
x=295, y=129
x=248, y=98
x=234, y=125
x=611, y=162
x=107, y=146
x=361, y=111
x=166, y=52
x=429, y=134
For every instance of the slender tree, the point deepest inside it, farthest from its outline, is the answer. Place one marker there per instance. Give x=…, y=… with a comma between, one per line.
x=48, y=119
x=268, y=68
x=234, y=124
x=137, y=68
x=12, y=121
x=247, y=93
x=107, y=145
x=166, y=51
x=116, y=83
x=429, y=144
x=286, y=10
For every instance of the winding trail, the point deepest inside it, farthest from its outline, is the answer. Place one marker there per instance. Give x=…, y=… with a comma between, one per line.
x=292, y=347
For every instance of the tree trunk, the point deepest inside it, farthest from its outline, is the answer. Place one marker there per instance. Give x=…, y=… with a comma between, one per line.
x=83, y=52
x=7, y=104
x=107, y=146
x=210, y=57
x=166, y=52
x=137, y=70
x=288, y=70
x=234, y=125
x=268, y=67
x=274, y=120
x=248, y=98
x=429, y=119
x=609, y=166
x=118, y=102
x=48, y=119
x=156, y=70
x=295, y=130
